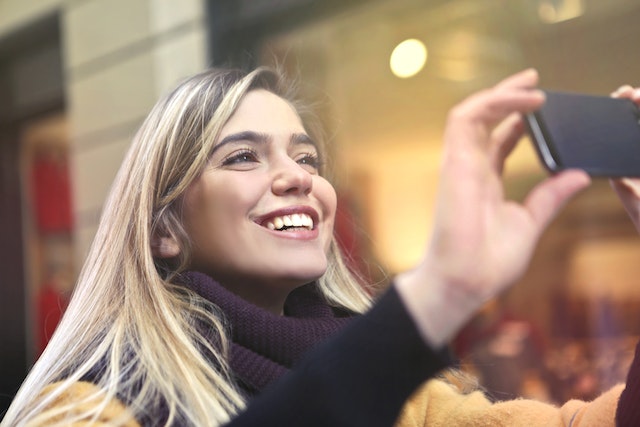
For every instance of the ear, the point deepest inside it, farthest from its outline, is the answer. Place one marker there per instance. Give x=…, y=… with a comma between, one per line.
x=164, y=247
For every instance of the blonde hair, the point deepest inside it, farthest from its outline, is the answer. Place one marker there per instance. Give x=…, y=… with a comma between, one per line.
x=129, y=326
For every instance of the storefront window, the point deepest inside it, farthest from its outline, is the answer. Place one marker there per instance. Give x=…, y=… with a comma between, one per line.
x=48, y=224
x=568, y=329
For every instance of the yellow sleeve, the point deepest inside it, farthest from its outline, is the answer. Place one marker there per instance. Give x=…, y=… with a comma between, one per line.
x=83, y=398
x=437, y=403
x=599, y=412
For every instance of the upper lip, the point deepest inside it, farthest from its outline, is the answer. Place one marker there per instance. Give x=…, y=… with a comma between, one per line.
x=289, y=210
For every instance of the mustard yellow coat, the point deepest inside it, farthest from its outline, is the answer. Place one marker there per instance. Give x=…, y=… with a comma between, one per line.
x=435, y=404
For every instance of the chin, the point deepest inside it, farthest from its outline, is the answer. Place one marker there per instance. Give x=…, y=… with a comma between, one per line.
x=304, y=275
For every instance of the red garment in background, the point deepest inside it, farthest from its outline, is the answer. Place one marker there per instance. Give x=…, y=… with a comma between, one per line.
x=52, y=194
x=51, y=306
x=347, y=236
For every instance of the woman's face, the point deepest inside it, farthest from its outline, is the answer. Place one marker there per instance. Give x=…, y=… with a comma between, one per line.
x=260, y=217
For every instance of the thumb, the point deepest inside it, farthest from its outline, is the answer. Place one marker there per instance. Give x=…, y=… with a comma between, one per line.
x=628, y=190
x=547, y=198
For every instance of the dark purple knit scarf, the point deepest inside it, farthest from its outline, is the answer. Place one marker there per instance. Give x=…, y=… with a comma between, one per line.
x=265, y=346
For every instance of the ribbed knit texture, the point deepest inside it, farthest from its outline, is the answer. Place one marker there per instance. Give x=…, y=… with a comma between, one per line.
x=360, y=376
x=265, y=345
x=628, y=412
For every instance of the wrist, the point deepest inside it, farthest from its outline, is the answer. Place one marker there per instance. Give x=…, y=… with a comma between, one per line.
x=439, y=307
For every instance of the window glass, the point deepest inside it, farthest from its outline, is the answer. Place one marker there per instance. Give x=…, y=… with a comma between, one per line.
x=568, y=329
x=48, y=224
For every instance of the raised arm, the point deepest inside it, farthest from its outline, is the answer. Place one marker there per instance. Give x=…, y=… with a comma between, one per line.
x=482, y=243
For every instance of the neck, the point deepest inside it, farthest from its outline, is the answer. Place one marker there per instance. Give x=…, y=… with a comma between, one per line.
x=271, y=300
x=268, y=295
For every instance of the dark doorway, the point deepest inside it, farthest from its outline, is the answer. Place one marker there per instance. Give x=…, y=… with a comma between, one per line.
x=31, y=86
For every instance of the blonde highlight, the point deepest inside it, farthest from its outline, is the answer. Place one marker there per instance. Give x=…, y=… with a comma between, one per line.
x=128, y=316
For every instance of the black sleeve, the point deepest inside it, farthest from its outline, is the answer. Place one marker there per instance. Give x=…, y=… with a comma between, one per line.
x=360, y=377
x=628, y=411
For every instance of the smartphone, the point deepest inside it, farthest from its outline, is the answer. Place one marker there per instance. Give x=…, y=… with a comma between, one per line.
x=598, y=134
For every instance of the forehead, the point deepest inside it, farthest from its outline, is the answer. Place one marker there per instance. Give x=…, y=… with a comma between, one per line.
x=263, y=111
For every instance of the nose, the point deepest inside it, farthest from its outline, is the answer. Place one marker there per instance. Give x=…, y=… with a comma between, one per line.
x=291, y=178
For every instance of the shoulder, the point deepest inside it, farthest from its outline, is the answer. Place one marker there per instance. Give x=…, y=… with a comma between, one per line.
x=599, y=412
x=434, y=403
x=439, y=403
x=85, y=403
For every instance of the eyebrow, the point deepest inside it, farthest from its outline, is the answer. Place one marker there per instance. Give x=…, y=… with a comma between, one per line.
x=262, y=138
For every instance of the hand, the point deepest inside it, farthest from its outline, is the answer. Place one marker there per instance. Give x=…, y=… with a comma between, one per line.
x=481, y=243
x=628, y=189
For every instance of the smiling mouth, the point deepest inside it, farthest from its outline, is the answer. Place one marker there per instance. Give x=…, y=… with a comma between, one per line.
x=293, y=222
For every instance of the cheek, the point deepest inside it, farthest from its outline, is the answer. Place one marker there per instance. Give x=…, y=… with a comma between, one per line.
x=203, y=213
x=326, y=195
x=192, y=206
x=207, y=223
x=217, y=207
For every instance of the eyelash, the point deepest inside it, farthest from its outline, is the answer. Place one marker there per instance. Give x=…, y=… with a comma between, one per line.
x=241, y=157
x=311, y=159
x=247, y=155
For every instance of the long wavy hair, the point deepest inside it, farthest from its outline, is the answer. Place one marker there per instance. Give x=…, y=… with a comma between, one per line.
x=128, y=315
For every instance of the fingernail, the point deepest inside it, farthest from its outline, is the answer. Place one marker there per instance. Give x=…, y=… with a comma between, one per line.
x=621, y=89
x=630, y=183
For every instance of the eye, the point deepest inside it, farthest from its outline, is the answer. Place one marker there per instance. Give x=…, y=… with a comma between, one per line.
x=310, y=161
x=240, y=157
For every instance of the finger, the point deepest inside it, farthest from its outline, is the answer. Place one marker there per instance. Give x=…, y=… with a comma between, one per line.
x=546, y=199
x=505, y=137
x=514, y=93
x=470, y=123
x=524, y=79
x=629, y=92
x=494, y=106
x=623, y=91
x=473, y=120
x=629, y=184
x=628, y=190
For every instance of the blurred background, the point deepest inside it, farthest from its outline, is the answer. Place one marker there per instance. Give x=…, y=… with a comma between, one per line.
x=78, y=76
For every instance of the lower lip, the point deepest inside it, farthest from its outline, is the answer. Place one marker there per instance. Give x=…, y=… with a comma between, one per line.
x=295, y=235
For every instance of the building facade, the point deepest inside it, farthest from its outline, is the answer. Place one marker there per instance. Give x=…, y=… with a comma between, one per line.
x=77, y=79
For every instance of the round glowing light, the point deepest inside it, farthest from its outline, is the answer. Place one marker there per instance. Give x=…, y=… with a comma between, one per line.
x=408, y=58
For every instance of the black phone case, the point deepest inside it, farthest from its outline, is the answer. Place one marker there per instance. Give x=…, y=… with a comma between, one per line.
x=598, y=134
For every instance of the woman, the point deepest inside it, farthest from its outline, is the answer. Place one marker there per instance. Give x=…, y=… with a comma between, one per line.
x=218, y=236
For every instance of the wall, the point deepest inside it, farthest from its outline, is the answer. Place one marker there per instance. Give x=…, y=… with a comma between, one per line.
x=118, y=58
x=17, y=13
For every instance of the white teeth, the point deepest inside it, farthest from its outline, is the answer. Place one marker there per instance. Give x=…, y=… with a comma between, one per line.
x=295, y=220
x=278, y=223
